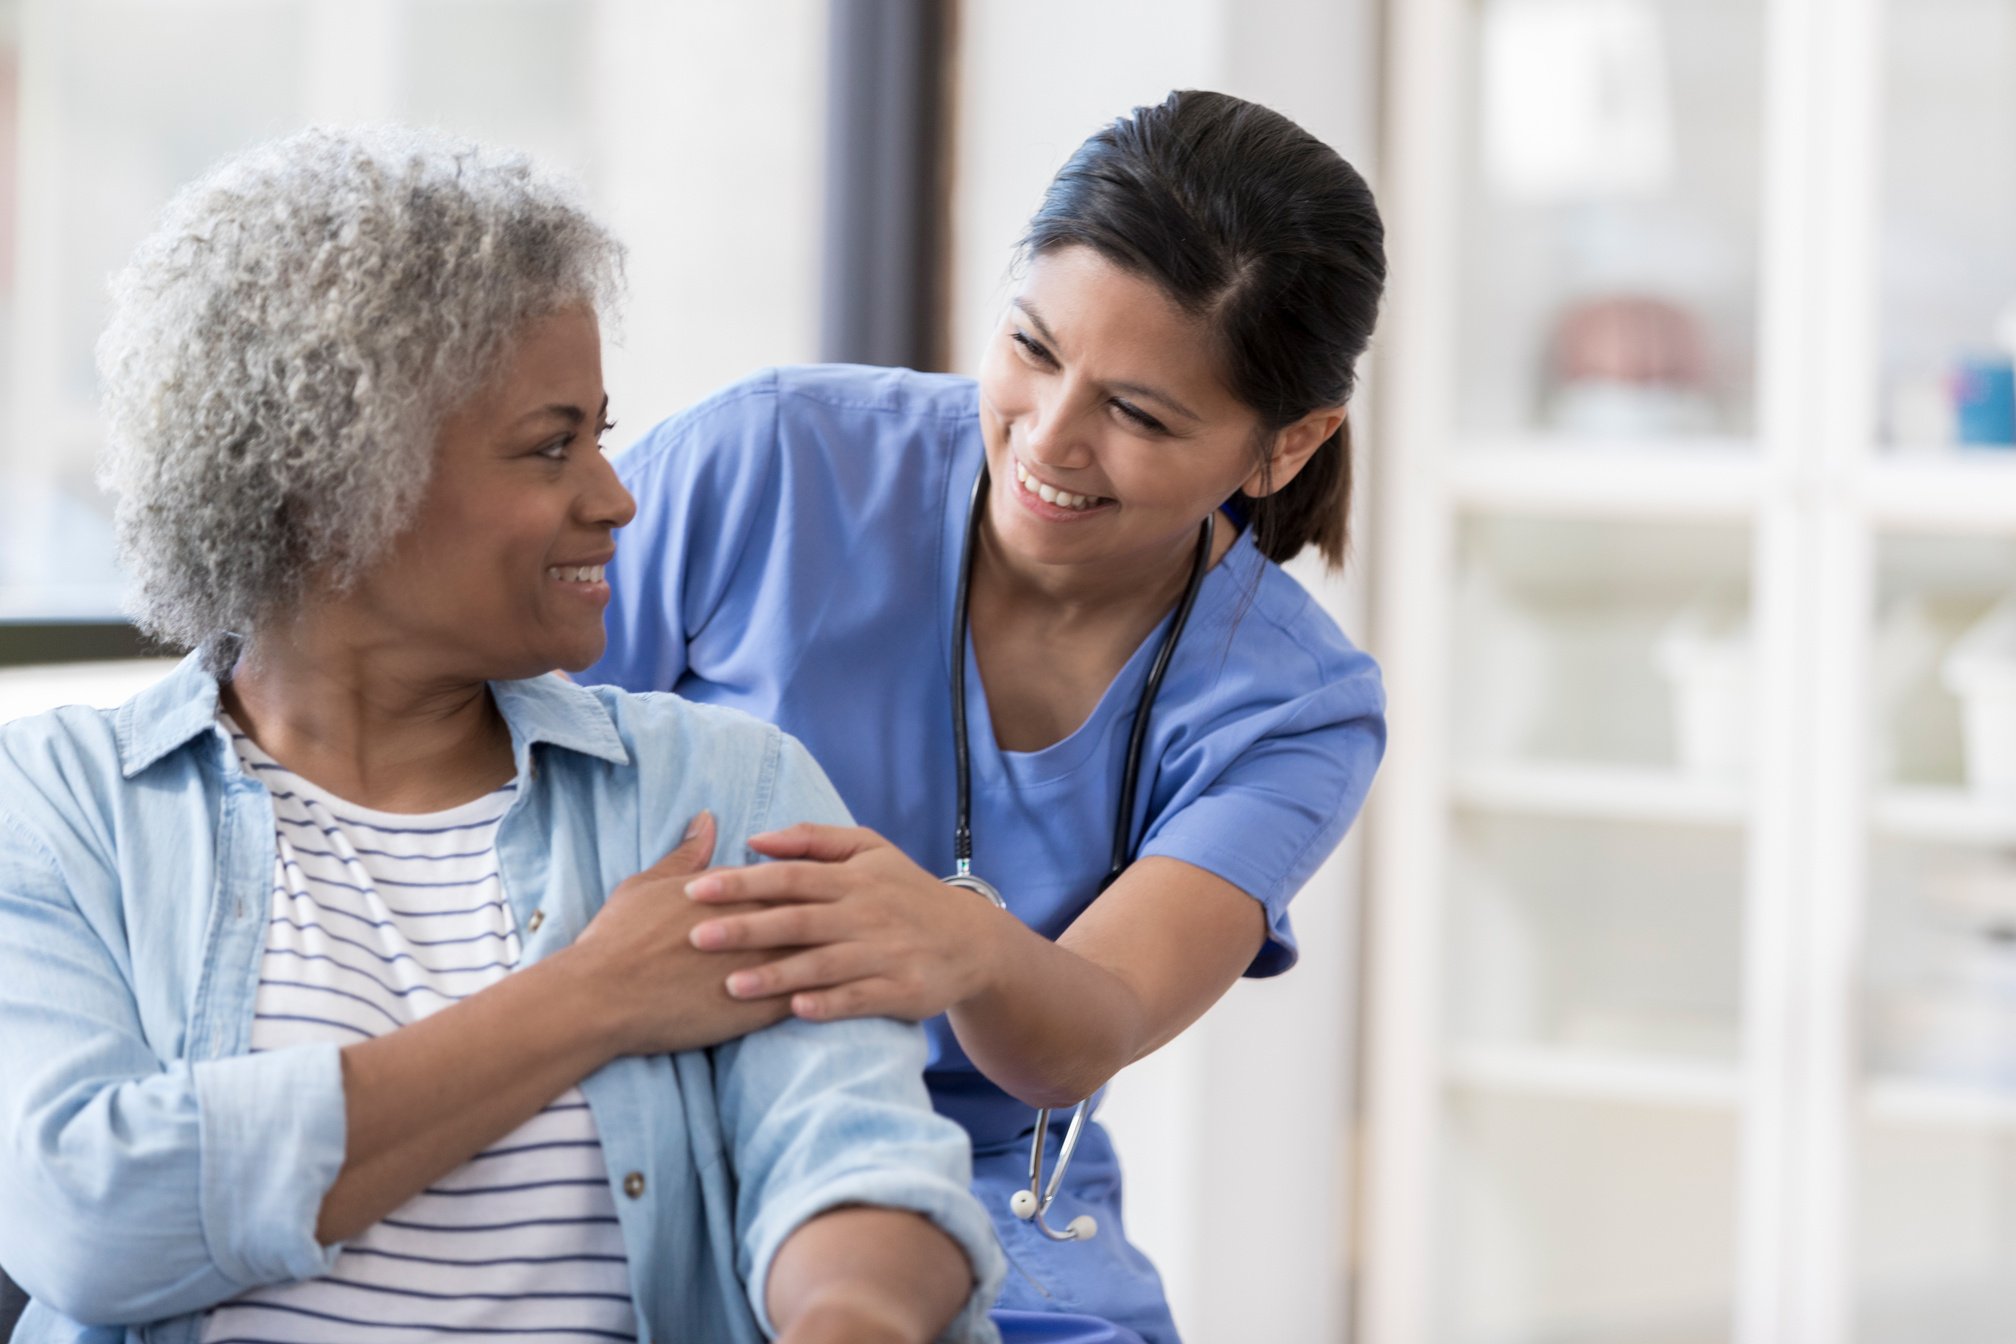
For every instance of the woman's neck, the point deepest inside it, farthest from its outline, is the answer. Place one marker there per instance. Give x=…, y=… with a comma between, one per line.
x=369, y=723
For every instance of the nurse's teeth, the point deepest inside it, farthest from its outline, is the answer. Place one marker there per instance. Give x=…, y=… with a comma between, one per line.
x=575, y=573
x=1050, y=494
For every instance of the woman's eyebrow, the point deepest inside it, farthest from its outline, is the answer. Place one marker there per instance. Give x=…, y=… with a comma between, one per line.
x=1140, y=390
x=573, y=415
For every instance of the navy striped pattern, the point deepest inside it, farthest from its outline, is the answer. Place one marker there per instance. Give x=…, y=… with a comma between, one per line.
x=377, y=920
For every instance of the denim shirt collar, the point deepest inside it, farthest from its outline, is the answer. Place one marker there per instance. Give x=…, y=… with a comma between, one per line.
x=550, y=709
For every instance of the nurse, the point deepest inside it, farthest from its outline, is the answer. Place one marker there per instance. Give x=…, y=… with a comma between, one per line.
x=1161, y=408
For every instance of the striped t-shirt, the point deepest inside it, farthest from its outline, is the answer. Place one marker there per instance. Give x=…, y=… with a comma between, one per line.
x=377, y=920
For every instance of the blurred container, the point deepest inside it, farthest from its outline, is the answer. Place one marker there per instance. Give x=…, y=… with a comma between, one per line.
x=1629, y=366
x=1984, y=401
x=1981, y=671
x=1704, y=655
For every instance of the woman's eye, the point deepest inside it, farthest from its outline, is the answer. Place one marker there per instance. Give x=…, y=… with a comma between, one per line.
x=1033, y=349
x=556, y=451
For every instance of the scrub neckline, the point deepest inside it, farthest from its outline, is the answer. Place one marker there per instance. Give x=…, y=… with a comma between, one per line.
x=1115, y=707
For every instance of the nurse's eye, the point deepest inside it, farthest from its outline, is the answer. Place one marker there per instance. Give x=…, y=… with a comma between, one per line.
x=1034, y=350
x=1139, y=418
x=555, y=451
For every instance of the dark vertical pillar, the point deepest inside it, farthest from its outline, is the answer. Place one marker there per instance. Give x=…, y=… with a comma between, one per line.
x=883, y=295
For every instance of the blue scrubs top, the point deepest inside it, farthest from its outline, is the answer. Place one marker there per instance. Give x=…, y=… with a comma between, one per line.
x=796, y=555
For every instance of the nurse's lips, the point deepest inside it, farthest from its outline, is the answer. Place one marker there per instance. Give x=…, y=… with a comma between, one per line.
x=1047, y=501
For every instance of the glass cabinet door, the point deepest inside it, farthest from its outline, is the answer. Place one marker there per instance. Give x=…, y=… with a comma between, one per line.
x=1932, y=1149
x=1610, y=222
x=1588, y=1157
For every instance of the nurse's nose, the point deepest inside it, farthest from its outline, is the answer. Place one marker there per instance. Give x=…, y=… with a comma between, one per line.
x=1055, y=435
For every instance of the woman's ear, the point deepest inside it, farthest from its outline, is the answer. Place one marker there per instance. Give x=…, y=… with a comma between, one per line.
x=1293, y=447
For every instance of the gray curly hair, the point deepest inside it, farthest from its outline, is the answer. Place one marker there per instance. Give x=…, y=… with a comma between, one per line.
x=284, y=346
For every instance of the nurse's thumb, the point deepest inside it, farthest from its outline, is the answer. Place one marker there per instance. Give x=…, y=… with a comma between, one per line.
x=694, y=851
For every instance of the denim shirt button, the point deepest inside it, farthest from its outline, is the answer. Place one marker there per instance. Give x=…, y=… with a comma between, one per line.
x=532, y=924
x=633, y=1184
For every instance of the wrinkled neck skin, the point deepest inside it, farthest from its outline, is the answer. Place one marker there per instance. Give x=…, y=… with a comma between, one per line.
x=374, y=719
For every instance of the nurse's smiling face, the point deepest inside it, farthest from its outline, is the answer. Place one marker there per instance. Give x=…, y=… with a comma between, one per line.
x=1108, y=430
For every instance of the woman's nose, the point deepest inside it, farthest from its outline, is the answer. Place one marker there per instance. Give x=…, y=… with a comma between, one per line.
x=608, y=502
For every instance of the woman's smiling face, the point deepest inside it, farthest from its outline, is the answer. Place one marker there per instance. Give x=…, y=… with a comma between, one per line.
x=501, y=571
x=1109, y=433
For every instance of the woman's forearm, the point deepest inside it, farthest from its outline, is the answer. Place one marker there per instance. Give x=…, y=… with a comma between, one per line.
x=424, y=1099
x=861, y=1274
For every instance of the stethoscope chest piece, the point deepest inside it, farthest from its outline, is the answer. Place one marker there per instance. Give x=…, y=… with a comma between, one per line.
x=968, y=882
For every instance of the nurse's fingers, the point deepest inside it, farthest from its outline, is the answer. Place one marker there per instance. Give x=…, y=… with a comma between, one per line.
x=807, y=840
x=813, y=968
x=770, y=882
x=874, y=996
x=779, y=926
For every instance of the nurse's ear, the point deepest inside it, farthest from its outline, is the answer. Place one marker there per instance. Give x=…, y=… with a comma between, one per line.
x=1293, y=447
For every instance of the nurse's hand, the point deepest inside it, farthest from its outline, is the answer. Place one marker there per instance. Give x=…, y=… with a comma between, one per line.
x=876, y=936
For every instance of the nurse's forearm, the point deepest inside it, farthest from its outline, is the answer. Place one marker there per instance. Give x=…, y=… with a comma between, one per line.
x=1051, y=1028
x=866, y=1274
x=1141, y=963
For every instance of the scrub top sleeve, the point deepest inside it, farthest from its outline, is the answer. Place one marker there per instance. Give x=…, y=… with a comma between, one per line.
x=704, y=482
x=1267, y=821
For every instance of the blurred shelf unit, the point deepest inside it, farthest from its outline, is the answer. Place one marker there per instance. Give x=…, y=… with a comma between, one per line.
x=1694, y=856
x=1599, y=793
x=1618, y=1079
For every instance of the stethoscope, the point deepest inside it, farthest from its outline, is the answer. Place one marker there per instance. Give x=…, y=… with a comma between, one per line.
x=1033, y=1204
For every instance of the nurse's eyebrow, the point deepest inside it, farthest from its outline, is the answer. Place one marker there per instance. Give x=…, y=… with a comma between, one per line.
x=1139, y=390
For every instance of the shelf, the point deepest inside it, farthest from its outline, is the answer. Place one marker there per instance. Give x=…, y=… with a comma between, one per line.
x=1588, y=1075
x=1906, y=1101
x=1710, y=478
x=1948, y=815
x=1972, y=491
x=1601, y=793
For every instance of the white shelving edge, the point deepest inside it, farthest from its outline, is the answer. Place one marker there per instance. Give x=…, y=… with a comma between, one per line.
x=1947, y=815
x=1955, y=491
x=1710, y=479
x=1911, y=1102
x=1584, y=1075
x=1600, y=793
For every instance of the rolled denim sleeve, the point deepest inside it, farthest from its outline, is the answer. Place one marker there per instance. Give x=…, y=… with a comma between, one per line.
x=823, y=1115
x=134, y=1188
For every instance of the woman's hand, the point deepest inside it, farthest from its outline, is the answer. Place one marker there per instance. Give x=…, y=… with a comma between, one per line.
x=658, y=992
x=879, y=936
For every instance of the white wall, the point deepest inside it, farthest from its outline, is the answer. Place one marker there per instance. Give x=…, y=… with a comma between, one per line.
x=1235, y=1138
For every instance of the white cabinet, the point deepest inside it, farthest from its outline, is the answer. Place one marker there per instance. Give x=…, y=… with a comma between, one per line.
x=1692, y=967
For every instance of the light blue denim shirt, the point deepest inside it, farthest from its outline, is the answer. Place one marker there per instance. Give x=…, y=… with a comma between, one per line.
x=150, y=1167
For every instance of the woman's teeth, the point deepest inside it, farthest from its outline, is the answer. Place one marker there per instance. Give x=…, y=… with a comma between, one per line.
x=575, y=573
x=1063, y=499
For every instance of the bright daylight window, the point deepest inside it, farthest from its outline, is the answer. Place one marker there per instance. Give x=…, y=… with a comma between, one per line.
x=707, y=167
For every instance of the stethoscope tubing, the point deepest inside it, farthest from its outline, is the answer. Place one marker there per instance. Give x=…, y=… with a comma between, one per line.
x=1033, y=1203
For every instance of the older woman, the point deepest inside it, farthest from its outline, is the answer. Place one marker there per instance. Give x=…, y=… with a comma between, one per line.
x=345, y=982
